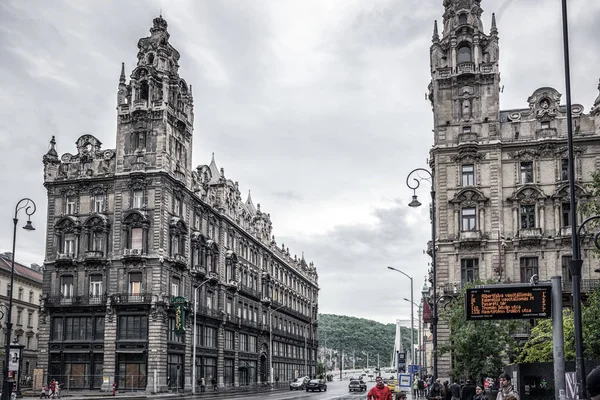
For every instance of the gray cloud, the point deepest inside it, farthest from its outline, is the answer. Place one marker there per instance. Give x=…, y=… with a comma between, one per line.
x=320, y=100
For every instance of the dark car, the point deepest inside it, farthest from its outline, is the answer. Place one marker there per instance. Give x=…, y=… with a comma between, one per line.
x=357, y=385
x=316, y=384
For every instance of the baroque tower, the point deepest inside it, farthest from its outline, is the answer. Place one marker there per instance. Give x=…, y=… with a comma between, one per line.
x=464, y=89
x=148, y=138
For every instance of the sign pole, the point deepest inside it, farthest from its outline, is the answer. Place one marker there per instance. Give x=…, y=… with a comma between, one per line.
x=558, y=340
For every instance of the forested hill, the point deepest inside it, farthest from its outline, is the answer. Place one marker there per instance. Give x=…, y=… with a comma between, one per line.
x=359, y=335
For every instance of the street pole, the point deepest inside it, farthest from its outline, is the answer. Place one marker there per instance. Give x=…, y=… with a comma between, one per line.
x=576, y=261
x=415, y=203
x=412, y=315
x=29, y=208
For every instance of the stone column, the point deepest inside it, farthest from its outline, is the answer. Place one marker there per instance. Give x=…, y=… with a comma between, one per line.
x=557, y=218
x=110, y=343
x=515, y=210
x=542, y=223
x=236, y=359
x=220, y=355
x=481, y=218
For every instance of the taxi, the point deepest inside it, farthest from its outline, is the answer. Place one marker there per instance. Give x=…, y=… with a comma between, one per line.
x=392, y=384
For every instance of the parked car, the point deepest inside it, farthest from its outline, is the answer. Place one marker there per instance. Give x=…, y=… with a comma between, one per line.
x=316, y=384
x=357, y=385
x=299, y=383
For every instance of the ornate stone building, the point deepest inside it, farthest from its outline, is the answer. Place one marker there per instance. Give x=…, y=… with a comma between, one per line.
x=25, y=314
x=133, y=228
x=501, y=176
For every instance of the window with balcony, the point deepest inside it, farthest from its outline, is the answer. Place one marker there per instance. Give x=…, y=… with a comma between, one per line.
x=526, y=172
x=136, y=239
x=70, y=204
x=529, y=267
x=138, y=199
x=527, y=216
x=135, y=283
x=564, y=169
x=175, y=286
x=175, y=244
x=468, y=219
x=98, y=203
x=469, y=270
x=464, y=55
x=66, y=286
x=468, y=175
x=95, y=286
x=69, y=247
x=567, y=278
x=98, y=241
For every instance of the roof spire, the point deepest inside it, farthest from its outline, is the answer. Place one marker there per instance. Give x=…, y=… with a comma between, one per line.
x=596, y=108
x=213, y=157
x=122, y=77
x=436, y=36
x=494, y=29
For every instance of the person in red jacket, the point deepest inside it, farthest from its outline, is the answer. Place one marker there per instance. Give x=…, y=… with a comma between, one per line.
x=379, y=391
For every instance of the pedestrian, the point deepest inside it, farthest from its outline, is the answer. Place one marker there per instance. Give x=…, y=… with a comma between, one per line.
x=593, y=384
x=455, y=391
x=506, y=388
x=421, y=384
x=379, y=391
x=277, y=380
x=480, y=393
x=214, y=383
x=468, y=391
x=52, y=388
x=436, y=391
x=400, y=396
x=415, y=388
x=447, y=393
x=202, y=385
x=44, y=394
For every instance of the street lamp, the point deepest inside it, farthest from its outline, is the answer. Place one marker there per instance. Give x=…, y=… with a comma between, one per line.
x=29, y=206
x=412, y=315
x=414, y=185
x=419, y=354
x=195, y=335
x=576, y=262
x=271, y=340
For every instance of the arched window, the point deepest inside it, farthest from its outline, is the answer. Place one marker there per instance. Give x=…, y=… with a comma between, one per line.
x=178, y=231
x=462, y=19
x=464, y=55
x=150, y=58
x=68, y=230
x=136, y=225
x=144, y=90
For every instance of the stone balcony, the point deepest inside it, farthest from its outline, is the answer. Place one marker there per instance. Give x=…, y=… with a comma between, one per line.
x=530, y=233
x=465, y=68
x=93, y=255
x=470, y=235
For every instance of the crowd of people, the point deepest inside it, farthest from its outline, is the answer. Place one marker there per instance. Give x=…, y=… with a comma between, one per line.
x=51, y=390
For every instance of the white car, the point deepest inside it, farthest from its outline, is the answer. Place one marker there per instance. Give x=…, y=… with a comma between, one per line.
x=299, y=383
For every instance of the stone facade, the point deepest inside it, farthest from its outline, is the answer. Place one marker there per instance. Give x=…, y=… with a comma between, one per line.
x=25, y=310
x=131, y=229
x=501, y=177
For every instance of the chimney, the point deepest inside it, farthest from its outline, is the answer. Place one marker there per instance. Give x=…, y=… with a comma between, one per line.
x=35, y=267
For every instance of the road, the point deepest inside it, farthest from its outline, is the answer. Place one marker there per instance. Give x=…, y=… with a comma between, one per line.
x=337, y=390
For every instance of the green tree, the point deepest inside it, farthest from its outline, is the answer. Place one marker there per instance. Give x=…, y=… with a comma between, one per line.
x=539, y=346
x=478, y=348
x=590, y=316
x=320, y=370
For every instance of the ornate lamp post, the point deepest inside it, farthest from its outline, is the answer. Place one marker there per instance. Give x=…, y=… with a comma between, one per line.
x=414, y=183
x=29, y=206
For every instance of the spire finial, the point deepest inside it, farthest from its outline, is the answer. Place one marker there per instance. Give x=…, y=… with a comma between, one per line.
x=494, y=29
x=436, y=36
x=122, y=77
x=213, y=157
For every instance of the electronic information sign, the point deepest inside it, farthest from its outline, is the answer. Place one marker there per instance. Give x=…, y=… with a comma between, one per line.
x=508, y=302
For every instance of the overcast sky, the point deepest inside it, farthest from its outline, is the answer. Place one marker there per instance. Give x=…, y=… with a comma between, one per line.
x=316, y=106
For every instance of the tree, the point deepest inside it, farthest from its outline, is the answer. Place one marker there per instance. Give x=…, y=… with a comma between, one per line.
x=479, y=348
x=590, y=315
x=320, y=370
x=539, y=346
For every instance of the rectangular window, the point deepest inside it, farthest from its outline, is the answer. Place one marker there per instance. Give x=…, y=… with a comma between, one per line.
x=66, y=286
x=70, y=205
x=468, y=219
x=97, y=241
x=210, y=334
x=19, y=317
x=138, y=199
x=468, y=175
x=133, y=327
x=545, y=124
x=529, y=267
x=176, y=206
x=526, y=172
x=135, y=283
x=95, y=288
x=136, y=238
x=57, y=329
x=252, y=344
x=173, y=336
x=466, y=129
x=175, y=287
x=243, y=342
x=229, y=345
x=469, y=270
x=528, y=216
x=566, y=215
x=20, y=296
x=29, y=318
x=567, y=278
x=209, y=298
x=69, y=244
x=228, y=307
x=564, y=169
x=98, y=203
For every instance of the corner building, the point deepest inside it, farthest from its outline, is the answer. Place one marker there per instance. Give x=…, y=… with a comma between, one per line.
x=501, y=176
x=134, y=228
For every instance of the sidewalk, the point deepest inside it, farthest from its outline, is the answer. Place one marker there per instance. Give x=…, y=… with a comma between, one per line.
x=209, y=394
